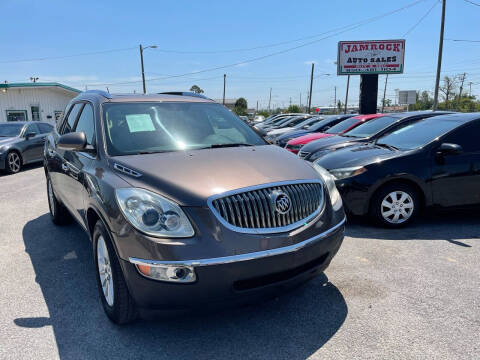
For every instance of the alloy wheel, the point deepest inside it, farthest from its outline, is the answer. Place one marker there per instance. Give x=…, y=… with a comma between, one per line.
x=397, y=207
x=13, y=162
x=105, y=270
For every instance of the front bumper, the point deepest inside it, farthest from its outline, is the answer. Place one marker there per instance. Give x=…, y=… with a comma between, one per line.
x=236, y=279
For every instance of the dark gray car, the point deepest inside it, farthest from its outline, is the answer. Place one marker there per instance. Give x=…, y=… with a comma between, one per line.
x=186, y=205
x=21, y=143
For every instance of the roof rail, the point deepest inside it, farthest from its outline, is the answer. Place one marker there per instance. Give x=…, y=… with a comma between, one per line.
x=100, y=92
x=184, y=93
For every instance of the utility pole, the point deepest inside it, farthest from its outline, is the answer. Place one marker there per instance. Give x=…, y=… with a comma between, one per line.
x=440, y=52
x=384, y=93
x=143, y=70
x=335, y=100
x=301, y=98
x=257, y=105
x=141, y=62
x=311, y=85
x=470, y=85
x=346, y=94
x=224, y=81
x=269, y=99
x=460, y=92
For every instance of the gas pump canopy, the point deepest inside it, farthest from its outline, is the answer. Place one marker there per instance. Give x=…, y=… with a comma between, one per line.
x=370, y=57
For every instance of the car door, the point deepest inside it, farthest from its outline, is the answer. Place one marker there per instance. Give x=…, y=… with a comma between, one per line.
x=57, y=168
x=76, y=162
x=456, y=177
x=32, y=145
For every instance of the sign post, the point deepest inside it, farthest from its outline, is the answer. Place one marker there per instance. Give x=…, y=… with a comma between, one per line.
x=369, y=59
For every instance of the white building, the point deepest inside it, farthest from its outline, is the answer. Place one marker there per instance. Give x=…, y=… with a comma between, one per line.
x=34, y=101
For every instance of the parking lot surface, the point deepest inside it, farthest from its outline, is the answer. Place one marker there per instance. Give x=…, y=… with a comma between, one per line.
x=407, y=293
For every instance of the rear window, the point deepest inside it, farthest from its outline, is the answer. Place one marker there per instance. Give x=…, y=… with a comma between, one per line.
x=133, y=128
x=372, y=127
x=341, y=127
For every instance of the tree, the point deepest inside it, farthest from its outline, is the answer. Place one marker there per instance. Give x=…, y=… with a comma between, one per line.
x=196, y=89
x=293, y=109
x=240, y=107
x=448, y=88
x=340, y=106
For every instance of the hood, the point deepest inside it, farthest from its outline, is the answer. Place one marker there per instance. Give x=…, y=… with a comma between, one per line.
x=8, y=140
x=190, y=177
x=359, y=155
x=332, y=141
x=307, y=138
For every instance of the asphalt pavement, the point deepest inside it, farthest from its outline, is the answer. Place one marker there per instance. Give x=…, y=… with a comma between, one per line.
x=388, y=294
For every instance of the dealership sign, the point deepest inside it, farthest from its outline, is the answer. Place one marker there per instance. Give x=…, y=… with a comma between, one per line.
x=370, y=57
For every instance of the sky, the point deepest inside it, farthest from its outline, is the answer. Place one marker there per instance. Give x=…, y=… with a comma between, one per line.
x=258, y=45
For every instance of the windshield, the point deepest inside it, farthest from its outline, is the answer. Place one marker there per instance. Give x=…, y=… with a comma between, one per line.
x=133, y=128
x=8, y=130
x=294, y=121
x=418, y=134
x=341, y=127
x=372, y=127
x=307, y=123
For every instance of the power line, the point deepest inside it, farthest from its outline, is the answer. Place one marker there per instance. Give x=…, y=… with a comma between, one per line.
x=471, y=2
x=67, y=56
x=421, y=19
x=346, y=28
x=464, y=40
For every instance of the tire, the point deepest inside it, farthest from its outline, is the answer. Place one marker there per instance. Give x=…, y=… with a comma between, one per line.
x=58, y=212
x=116, y=300
x=13, y=162
x=395, y=205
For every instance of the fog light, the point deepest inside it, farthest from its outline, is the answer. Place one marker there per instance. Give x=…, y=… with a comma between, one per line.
x=166, y=272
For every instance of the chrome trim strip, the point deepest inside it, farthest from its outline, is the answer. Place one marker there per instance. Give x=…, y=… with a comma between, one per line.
x=275, y=228
x=242, y=257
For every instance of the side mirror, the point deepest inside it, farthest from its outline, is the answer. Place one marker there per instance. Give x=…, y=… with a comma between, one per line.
x=450, y=149
x=75, y=141
x=29, y=135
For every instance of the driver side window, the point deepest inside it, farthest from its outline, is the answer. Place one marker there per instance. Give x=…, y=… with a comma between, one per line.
x=32, y=128
x=70, y=120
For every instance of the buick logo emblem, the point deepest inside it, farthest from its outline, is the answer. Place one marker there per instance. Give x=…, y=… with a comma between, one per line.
x=281, y=201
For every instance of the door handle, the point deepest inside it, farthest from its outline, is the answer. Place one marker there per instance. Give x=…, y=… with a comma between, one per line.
x=64, y=167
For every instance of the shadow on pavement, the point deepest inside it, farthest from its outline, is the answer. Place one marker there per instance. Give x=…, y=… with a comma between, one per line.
x=451, y=226
x=24, y=168
x=292, y=327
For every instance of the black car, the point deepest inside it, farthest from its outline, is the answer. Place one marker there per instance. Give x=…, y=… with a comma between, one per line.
x=186, y=206
x=320, y=126
x=432, y=162
x=21, y=143
x=366, y=132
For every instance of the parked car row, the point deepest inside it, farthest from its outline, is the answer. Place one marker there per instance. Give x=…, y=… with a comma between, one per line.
x=390, y=166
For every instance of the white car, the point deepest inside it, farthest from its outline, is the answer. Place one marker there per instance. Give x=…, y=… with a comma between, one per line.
x=258, y=118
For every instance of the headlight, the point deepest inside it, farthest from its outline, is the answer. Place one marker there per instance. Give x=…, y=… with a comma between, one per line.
x=344, y=173
x=153, y=214
x=335, y=197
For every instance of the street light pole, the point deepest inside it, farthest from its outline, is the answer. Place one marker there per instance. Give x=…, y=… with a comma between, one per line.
x=311, y=85
x=346, y=94
x=440, y=52
x=384, y=93
x=224, y=81
x=141, y=62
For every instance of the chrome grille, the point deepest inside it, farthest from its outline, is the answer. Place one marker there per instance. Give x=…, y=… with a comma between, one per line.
x=303, y=154
x=253, y=209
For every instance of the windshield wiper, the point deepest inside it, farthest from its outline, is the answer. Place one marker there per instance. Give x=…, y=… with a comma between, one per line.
x=390, y=147
x=214, y=146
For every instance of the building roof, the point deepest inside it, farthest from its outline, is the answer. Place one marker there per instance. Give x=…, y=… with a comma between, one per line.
x=38, y=85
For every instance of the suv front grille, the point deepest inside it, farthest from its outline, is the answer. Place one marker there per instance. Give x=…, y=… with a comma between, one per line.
x=254, y=210
x=303, y=154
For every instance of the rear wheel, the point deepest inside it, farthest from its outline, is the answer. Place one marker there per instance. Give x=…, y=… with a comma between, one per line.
x=58, y=212
x=395, y=205
x=116, y=300
x=13, y=162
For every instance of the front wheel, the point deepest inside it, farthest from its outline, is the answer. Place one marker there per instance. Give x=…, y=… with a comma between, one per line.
x=116, y=300
x=395, y=205
x=13, y=162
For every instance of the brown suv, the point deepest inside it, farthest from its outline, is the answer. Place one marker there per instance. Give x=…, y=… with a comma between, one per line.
x=185, y=204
